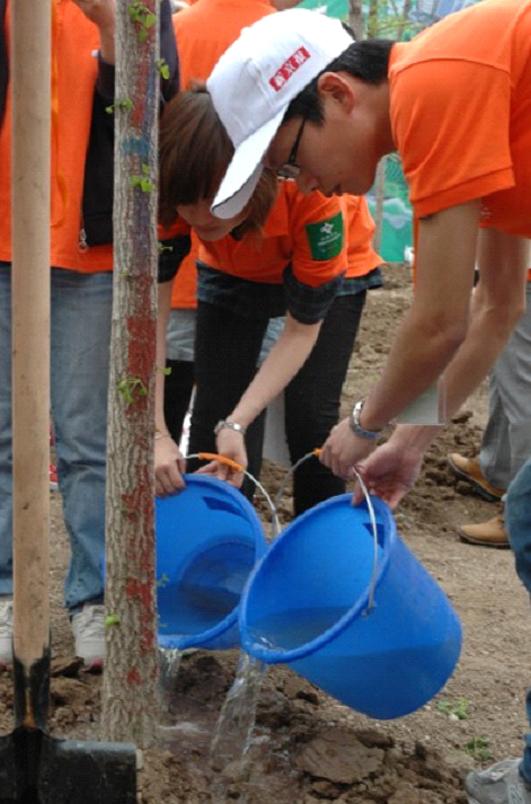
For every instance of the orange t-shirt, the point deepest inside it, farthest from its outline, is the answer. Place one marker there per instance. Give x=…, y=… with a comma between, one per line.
x=205, y=30
x=75, y=41
x=359, y=229
x=360, y=257
x=305, y=231
x=184, y=288
x=460, y=102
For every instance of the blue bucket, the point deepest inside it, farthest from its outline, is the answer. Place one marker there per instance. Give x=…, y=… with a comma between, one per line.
x=356, y=615
x=208, y=540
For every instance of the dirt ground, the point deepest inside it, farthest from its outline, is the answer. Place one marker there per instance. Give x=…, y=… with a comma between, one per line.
x=308, y=748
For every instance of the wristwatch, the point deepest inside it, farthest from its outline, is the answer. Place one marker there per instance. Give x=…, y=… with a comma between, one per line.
x=355, y=424
x=225, y=423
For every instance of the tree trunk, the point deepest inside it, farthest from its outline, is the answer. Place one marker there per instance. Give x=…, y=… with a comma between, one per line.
x=373, y=22
x=355, y=18
x=130, y=685
x=404, y=19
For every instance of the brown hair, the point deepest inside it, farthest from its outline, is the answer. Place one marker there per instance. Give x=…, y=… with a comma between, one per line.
x=259, y=206
x=195, y=151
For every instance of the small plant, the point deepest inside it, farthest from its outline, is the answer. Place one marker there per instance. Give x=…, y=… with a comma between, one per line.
x=129, y=386
x=163, y=68
x=478, y=748
x=163, y=248
x=163, y=581
x=458, y=709
x=165, y=370
x=126, y=104
x=142, y=17
x=111, y=619
x=143, y=182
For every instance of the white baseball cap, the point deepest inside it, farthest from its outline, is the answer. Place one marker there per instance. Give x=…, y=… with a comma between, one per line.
x=253, y=84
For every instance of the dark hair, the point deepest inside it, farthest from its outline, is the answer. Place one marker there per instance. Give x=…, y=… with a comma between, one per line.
x=367, y=60
x=194, y=152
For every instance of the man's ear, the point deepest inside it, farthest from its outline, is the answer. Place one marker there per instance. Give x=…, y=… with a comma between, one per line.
x=337, y=87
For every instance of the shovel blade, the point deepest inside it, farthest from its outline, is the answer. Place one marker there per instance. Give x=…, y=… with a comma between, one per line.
x=76, y=772
x=10, y=780
x=38, y=769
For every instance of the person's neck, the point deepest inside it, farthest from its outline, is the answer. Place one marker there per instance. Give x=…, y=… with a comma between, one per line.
x=379, y=99
x=373, y=99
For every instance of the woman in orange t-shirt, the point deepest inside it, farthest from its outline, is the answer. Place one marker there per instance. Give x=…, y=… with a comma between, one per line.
x=297, y=264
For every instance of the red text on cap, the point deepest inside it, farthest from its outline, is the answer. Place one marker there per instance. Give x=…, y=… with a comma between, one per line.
x=290, y=66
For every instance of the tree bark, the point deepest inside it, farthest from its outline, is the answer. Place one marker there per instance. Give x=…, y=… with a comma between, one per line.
x=373, y=22
x=130, y=685
x=355, y=18
x=404, y=19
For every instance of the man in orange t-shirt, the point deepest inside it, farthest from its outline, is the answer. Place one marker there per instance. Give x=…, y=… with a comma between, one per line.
x=81, y=299
x=455, y=102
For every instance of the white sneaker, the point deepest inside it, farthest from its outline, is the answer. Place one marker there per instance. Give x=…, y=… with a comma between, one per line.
x=499, y=784
x=88, y=626
x=6, y=631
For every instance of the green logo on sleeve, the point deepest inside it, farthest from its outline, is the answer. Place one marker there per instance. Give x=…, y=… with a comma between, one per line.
x=326, y=237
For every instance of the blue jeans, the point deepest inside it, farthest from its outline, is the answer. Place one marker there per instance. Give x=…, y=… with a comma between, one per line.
x=518, y=521
x=80, y=337
x=506, y=443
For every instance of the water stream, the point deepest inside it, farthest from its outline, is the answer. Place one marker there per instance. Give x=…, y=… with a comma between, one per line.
x=169, y=663
x=234, y=729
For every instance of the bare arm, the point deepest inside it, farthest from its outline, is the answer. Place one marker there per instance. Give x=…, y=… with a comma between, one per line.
x=497, y=303
x=102, y=14
x=437, y=322
x=429, y=335
x=283, y=362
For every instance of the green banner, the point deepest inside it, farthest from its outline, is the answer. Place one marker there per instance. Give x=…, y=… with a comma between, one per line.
x=333, y=8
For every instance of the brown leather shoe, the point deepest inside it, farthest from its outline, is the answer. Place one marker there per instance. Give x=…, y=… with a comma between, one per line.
x=487, y=534
x=470, y=470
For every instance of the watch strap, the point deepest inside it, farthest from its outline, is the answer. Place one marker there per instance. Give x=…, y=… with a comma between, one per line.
x=229, y=425
x=356, y=426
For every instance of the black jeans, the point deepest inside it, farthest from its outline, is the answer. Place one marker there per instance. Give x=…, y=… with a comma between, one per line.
x=178, y=386
x=227, y=347
x=313, y=398
x=226, y=352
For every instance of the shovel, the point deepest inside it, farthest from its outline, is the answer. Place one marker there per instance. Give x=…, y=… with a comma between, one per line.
x=35, y=767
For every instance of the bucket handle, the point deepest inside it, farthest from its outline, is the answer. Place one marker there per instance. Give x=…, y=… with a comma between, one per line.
x=315, y=453
x=372, y=518
x=213, y=456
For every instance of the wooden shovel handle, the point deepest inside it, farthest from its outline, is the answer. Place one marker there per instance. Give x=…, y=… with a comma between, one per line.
x=30, y=72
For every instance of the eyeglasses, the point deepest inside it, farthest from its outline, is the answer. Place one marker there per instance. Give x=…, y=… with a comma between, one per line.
x=290, y=169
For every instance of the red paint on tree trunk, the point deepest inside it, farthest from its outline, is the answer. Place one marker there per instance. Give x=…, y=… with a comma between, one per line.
x=141, y=592
x=141, y=328
x=134, y=677
x=142, y=84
